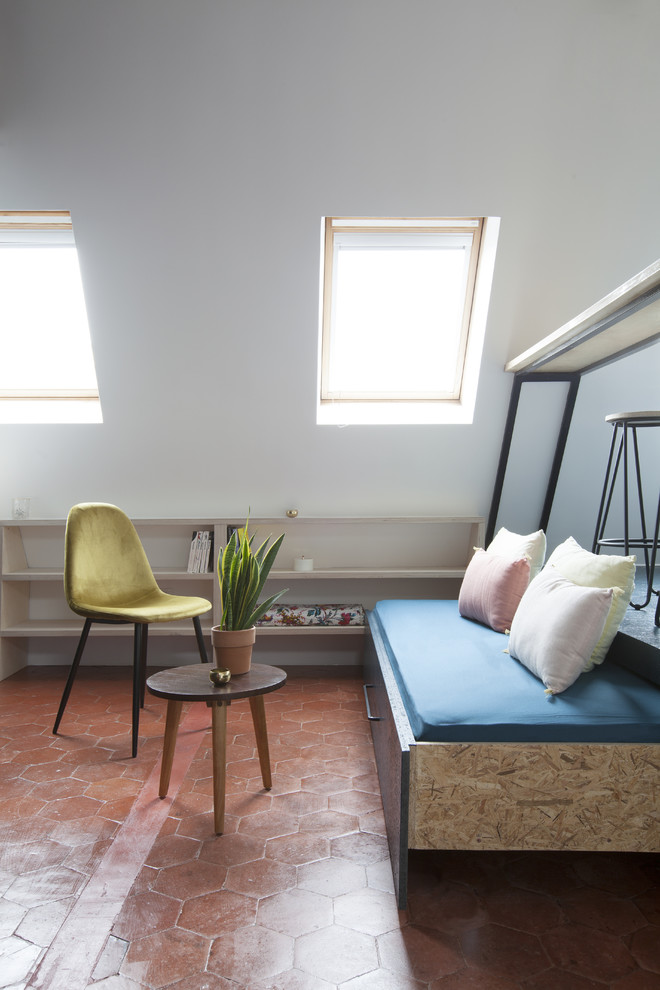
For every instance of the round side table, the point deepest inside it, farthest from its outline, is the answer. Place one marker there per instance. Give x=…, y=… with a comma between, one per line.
x=191, y=683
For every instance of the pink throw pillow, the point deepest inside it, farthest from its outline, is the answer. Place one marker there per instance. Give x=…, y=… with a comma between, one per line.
x=492, y=589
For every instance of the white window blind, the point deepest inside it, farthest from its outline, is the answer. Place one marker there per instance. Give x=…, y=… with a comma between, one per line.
x=47, y=372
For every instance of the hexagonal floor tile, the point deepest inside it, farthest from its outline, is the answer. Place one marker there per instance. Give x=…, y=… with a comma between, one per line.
x=293, y=979
x=171, y=850
x=645, y=948
x=146, y=913
x=598, y=909
x=295, y=912
x=261, y=878
x=158, y=960
x=331, y=877
x=420, y=953
x=591, y=954
x=336, y=954
x=360, y=847
x=523, y=910
x=233, y=849
x=190, y=879
x=381, y=979
x=85, y=859
x=218, y=913
x=367, y=910
x=298, y=848
x=251, y=954
x=503, y=951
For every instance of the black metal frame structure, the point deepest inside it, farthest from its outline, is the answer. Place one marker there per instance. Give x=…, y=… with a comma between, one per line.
x=573, y=379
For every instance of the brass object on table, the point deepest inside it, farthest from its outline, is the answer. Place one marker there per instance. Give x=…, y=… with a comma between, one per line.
x=219, y=675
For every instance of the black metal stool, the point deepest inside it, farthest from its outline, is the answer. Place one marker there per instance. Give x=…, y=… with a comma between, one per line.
x=626, y=426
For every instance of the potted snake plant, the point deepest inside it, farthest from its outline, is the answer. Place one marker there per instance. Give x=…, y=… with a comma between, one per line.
x=242, y=574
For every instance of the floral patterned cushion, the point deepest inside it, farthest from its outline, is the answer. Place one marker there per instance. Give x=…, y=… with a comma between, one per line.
x=313, y=615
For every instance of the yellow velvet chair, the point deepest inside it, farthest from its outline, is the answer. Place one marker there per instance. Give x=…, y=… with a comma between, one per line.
x=108, y=579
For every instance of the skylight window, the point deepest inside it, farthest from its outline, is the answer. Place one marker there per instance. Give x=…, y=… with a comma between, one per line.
x=47, y=372
x=404, y=303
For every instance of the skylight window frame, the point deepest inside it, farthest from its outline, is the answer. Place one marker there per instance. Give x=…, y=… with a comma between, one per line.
x=407, y=228
x=57, y=404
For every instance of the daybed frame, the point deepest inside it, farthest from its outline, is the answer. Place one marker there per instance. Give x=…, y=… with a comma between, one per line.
x=542, y=796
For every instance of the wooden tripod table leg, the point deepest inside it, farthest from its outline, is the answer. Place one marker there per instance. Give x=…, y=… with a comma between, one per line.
x=219, y=750
x=169, y=742
x=261, y=733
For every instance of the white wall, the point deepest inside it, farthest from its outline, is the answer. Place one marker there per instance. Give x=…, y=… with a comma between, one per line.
x=197, y=146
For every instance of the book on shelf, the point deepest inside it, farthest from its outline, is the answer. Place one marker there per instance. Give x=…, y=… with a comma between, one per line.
x=240, y=531
x=200, y=557
x=208, y=553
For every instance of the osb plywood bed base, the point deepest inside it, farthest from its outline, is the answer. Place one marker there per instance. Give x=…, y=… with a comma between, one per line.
x=534, y=796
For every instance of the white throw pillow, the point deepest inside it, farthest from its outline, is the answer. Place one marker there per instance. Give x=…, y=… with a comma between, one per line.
x=597, y=570
x=556, y=628
x=514, y=546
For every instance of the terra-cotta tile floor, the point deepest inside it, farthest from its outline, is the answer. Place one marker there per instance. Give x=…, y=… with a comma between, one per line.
x=105, y=886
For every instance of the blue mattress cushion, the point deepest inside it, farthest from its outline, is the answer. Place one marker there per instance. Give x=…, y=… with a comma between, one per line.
x=458, y=684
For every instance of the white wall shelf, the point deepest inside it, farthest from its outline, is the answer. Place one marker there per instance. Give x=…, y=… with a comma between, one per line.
x=352, y=557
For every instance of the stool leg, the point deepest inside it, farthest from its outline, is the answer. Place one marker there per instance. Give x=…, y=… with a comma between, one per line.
x=642, y=517
x=169, y=742
x=651, y=567
x=626, y=528
x=261, y=732
x=650, y=544
x=608, y=490
x=219, y=750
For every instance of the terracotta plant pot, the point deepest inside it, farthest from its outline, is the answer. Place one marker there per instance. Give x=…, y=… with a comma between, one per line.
x=232, y=648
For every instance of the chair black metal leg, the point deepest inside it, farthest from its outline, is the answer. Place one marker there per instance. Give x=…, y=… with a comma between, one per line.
x=139, y=669
x=143, y=664
x=72, y=673
x=200, y=639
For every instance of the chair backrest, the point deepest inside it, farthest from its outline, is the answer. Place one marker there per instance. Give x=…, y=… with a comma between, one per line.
x=104, y=560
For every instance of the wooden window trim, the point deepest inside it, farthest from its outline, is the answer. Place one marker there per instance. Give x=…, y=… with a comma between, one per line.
x=442, y=225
